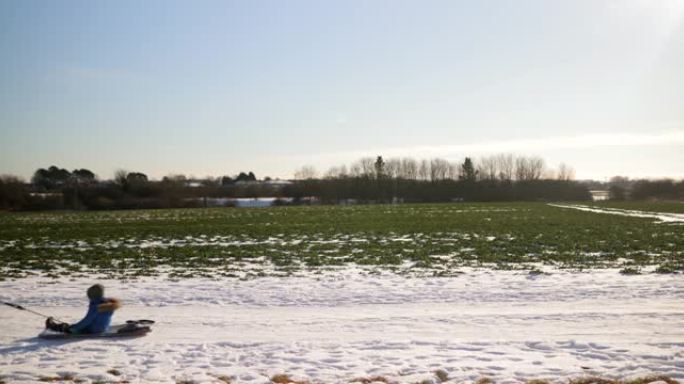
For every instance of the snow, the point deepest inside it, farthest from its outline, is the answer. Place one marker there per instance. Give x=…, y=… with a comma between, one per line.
x=665, y=217
x=338, y=325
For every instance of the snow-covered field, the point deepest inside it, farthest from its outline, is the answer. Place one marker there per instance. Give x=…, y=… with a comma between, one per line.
x=342, y=325
x=665, y=217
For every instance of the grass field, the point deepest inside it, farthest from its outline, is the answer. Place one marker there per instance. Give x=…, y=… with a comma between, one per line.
x=426, y=239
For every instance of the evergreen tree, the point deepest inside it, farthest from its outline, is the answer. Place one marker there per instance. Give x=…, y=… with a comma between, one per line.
x=468, y=172
x=379, y=168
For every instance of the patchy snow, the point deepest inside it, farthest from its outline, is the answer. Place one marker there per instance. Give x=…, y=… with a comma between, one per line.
x=664, y=217
x=341, y=325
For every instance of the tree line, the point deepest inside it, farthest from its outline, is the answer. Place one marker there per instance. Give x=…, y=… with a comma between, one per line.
x=501, y=167
x=501, y=177
x=622, y=188
x=58, y=188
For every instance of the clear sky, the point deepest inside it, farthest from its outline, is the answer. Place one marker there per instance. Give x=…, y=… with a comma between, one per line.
x=214, y=88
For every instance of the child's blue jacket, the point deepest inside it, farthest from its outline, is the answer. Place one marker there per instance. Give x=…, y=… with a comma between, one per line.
x=94, y=321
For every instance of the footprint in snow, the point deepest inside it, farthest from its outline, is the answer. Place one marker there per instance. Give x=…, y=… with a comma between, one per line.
x=495, y=367
x=538, y=346
x=472, y=349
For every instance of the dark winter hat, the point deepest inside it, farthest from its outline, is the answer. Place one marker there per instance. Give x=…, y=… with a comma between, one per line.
x=96, y=292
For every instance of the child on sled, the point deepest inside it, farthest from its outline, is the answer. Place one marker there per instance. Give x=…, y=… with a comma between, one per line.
x=98, y=318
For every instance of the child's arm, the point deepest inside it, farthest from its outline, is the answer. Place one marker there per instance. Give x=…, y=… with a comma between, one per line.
x=110, y=305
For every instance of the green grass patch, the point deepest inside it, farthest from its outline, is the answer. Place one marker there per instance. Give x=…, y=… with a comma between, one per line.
x=245, y=243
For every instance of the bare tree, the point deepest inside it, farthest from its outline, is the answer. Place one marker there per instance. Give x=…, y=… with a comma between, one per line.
x=454, y=171
x=537, y=167
x=392, y=168
x=487, y=168
x=306, y=172
x=367, y=167
x=521, y=168
x=565, y=172
x=424, y=170
x=529, y=168
x=506, y=165
x=355, y=169
x=337, y=172
x=409, y=168
x=439, y=169
x=120, y=176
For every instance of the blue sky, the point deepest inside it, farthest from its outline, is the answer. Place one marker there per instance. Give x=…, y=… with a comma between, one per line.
x=213, y=88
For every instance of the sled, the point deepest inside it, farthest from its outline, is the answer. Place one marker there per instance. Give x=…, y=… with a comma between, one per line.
x=132, y=328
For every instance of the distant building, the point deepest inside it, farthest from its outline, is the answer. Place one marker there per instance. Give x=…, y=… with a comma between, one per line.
x=277, y=182
x=599, y=194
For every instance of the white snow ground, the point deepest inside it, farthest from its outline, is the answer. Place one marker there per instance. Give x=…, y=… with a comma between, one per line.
x=665, y=217
x=337, y=326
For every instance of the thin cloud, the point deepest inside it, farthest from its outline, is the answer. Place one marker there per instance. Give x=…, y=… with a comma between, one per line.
x=559, y=142
x=522, y=146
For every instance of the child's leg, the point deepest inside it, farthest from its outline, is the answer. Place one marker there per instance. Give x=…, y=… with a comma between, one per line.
x=56, y=326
